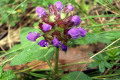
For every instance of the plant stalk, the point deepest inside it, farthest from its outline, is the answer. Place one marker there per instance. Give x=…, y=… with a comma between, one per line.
x=56, y=64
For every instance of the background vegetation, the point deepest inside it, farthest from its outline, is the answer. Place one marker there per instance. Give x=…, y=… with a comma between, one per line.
x=101, y=18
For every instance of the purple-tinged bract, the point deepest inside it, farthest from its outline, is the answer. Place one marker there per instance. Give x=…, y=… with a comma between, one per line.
x=76, y=19
x=55, y=42
x=33, y=36
x=59, y=5
x=64, y=48
x=82, y=31
x=70, y=7
x=43, y=43
x=41, y=11
x=46, y=27
x=74, y=33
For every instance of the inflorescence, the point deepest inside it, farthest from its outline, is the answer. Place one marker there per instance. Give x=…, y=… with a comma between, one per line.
x=58, y=26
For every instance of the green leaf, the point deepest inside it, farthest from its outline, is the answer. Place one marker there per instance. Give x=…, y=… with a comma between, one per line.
x=11, y=11
x=8, y=75
x=101, y=67
x=104, y=37
x=24, y=6
x=12, y=23
x=39, y=75
x=100, y=62
x=48, y=55
x=73, y=76
x=33, y=52
x=4, y=17
x=93, y=64
x=15, y=48
x=107, y=64
x=1, y=71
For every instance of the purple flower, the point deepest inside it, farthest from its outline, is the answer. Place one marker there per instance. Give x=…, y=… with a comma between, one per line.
x=76, y=19
x=82, y=31
x=74, y=33
x=46, y=27
x=40, y=11
x=59, y=5
x=33, y=36
x=55, y=42
x=64, y=48
x=43, y=43
x=70, y=8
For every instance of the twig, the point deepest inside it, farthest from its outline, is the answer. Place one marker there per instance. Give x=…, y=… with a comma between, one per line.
x=9, y=40
x=82, y=69
x=105, y=48
x=8, y=60
x=100, y=20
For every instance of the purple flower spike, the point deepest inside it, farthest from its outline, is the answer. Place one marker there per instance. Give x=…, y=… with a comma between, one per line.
x=76, y=19
x=41, y=11
x=70, y=7
x=33, y=36
x=74, y=33
x=43, y=43
x=82, y=31
x=59, y=5
x=46, y=27
x=64, y=48
x=56, y=42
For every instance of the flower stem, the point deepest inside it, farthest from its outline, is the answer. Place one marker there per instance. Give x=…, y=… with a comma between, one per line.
x=56, y=63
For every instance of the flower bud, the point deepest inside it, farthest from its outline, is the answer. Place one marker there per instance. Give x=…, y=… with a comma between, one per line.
x=52, y=18
x=64, y=48
x=74, y=33
x=55, y=42
x=40, y=11
x=53, y=10
x=76, y=19
x=43, y=43
x=82, y=31
x=63, y=15
x=59, y=5
x=70, y=7
x=46, y=27
x=33, y=36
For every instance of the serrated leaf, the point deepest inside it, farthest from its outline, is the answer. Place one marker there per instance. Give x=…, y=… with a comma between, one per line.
x=93, y=64
x=8, y=75
x=73, y=76
x=107, y=64
x=101, y=67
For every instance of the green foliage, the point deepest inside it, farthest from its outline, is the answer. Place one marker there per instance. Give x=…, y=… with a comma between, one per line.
x=6, y=75
x=100, y=62
x=27, y=51
x=104, y=37
x=103, y=1
x=113, y=54
x=39, y=75
x=32, y=51
x=0, y=71
x=73, y=76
